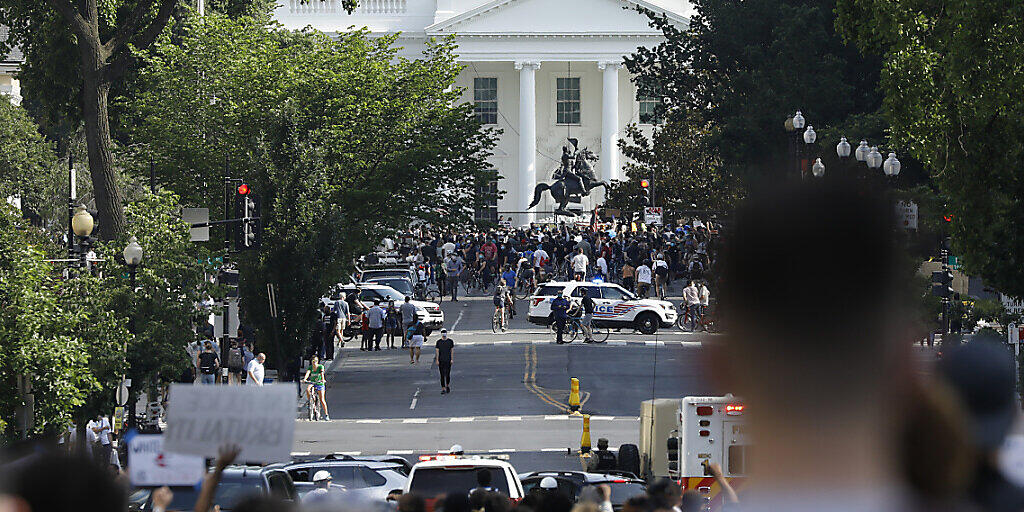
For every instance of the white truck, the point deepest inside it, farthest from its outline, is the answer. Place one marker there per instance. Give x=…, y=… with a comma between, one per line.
x=679, y=437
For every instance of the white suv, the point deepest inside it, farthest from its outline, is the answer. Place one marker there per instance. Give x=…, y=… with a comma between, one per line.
x=614, y=306
x=445, y=474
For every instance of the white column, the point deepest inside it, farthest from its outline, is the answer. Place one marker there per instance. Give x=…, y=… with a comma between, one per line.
x=610, y=169
x=527, y=136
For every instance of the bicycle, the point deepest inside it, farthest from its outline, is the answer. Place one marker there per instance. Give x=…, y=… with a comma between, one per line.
x=427, y=292
x=500, y=320
x=707, y=321
x=312, y=405
x=574, y=328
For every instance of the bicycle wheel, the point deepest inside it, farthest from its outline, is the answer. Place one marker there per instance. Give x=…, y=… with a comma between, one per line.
x=495, y=323
x=434, y=296
x=601, y=334
x=574, y=330
x=505, y=321
x=683, y=323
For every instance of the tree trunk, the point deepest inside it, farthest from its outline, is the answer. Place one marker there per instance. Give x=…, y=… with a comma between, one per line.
x=109, y=197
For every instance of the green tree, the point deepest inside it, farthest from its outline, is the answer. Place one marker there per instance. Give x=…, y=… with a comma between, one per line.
x=344, y=141
x=28, y=164
x=951, y=80
x=741, y=68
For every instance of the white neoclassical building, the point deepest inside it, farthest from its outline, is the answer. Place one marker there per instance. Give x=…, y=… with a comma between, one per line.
x=540, y=70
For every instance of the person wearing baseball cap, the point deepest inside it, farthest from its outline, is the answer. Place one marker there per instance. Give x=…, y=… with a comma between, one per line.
x=983, y=376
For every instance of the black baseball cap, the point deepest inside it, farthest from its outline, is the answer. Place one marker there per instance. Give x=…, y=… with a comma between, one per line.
x=983, y=374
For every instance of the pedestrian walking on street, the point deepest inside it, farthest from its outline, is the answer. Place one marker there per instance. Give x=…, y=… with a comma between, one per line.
x=254, y=371
x=691, y=296
x=661, y=277
x=560, y=310
x=209, y=364
x=341, y=309
x=330, y=329
x=444, y=356
x=643, y=279
x=417, y=336
x=392, y=324
x=628, y=275
x=375, y=317
x=580, y=263
x=588, y=315
x=453, y=268
x=408, y=311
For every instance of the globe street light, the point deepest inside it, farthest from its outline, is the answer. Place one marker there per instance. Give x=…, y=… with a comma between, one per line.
x=891, y=168
x=818, y=169
x=810, y=135
x=82, y=222
x=874, y=158
x=843, y=148
x=798, y=120
x=862, y=151
x=133, y=253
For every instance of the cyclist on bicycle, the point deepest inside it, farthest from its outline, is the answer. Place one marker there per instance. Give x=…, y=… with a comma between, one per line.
x=500, y=295
x=315, y=390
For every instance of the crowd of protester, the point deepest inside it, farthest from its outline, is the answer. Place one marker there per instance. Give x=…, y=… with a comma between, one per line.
x=842, y=416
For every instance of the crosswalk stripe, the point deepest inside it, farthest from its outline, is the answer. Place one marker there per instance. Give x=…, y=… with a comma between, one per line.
x=414, y=420
x=556, y=417
x=399, y=452
x=368, y=421
x=460, y=420
x=510, y=418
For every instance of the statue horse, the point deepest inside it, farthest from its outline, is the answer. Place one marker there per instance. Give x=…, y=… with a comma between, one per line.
x=566, y=188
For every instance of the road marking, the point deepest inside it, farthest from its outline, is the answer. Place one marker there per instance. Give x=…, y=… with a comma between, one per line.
x=399, y=452
x=602, y=418
x=502, y=450
x=556, y=417
x=461, y=420
x=415, y=398
x=350, y=454
x=457, y=320
x=510, y=418
x=368, y=421
x=414, y=420
x=299, y=454
x=554, y=449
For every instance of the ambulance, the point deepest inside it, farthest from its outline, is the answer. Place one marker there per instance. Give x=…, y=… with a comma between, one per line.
x=679, y=438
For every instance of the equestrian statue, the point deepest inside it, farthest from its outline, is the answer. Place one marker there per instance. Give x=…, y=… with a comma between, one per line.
x=573, y=179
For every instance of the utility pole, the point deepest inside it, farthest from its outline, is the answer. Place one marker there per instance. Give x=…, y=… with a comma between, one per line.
x=72, y=197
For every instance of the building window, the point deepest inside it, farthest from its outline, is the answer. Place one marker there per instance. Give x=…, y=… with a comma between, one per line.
x=485, y=100
x=568, y=100
x=489, y=210
x=648, y=110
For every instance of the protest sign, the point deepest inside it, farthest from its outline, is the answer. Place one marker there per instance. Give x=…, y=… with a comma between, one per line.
x=259, y=419
x=150, y=466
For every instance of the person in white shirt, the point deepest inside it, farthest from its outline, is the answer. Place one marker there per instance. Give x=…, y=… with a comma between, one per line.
x=691, y=296
x=602, y=265
x=660, y=276
x=540, y=257
x=101, y=428
x=643, y=280
x=580, y=262
x=255, y=370
x=705, y=296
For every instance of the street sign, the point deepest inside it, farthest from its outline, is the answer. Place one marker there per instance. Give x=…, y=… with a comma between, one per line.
x=906, y=214
x=653, y=215
x=953, y=262
x=122, y=392
x=197, y=216
x=118, y=419
x=150, y=466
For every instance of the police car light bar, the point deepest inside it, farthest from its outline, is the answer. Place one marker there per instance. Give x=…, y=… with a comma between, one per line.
x=448, y=456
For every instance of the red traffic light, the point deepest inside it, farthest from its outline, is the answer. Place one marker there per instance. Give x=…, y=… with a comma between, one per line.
x=948, y=217
x=645, y=183
x=243, y=189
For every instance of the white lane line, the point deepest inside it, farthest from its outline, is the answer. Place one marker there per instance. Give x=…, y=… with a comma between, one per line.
x=415, y=398
x=510, y=418
x=505, y=342
x=350, y=454
x=553, y=449
x=556, y=417
x=502, y=450
x=399, y=452
x=299, y=454
x=600, y=418
x=457, y=320
x=461, y=420
x=414, y=420
x=368, y=421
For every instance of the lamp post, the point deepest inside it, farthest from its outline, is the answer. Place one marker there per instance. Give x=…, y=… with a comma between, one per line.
x=133, y=258
x=82, y=225
x=818, y=169
x=843, y=151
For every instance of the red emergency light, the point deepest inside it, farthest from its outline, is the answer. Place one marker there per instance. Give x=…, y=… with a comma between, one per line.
x=705, y=410
x=734, y=409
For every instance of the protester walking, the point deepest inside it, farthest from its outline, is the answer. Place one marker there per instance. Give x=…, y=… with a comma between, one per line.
x=444, y=356
x=342, y=311
x=643, y=279
x=392, y=324
x=375, y=317
x=254, y=371
x=417, y=336
x=408, y=311
x=454, y=269
x=209, y=364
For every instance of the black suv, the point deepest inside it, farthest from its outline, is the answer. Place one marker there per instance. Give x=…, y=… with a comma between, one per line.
x=624, y=485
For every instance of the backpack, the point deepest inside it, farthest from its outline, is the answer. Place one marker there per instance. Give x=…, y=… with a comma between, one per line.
x=661, y=271
x=208, y=363
x=235, y=358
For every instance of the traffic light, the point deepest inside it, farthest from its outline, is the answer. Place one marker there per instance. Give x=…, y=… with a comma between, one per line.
x=942, y=283
x=646, y=187
x=247, y=208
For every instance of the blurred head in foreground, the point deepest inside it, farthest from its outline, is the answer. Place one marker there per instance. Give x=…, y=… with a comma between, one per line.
x=811, y=293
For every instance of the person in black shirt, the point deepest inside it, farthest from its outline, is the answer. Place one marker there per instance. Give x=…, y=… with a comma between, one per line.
x=588, y=316
x=443, y=357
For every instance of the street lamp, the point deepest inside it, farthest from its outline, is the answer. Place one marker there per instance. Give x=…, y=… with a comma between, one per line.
x=82, y=225
x=798, y=121
x=843, y=148
x=810, y=135
x=874, y=158
x=892, y=165
x=818, y=169
x=862, y=151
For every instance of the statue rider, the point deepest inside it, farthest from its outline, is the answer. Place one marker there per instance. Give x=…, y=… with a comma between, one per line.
x=567, y=170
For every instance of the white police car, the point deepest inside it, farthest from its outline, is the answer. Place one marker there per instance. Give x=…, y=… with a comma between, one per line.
x=614, y=306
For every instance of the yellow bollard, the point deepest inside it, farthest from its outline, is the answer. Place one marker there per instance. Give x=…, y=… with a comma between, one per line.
x=585, y=440
x=574, y=396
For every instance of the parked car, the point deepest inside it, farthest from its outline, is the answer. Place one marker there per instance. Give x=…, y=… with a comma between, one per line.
x=572, y=483
x=400, y=284
x=366, y=479
x=236, y=484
